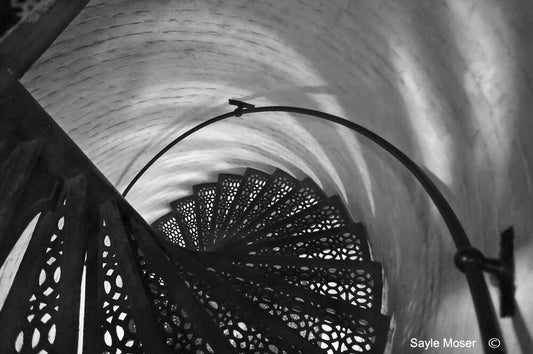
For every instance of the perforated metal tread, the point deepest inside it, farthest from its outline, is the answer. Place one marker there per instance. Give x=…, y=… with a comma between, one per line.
x=185, y=210
x=250, y=189
x=301, y=198
x=227, y=189
x=327, y=214
x=42, y=305
x=206, y=194
x=294, y=277
x=282, y=290
x=168, y=226
x=358, y=283
x=345, y=243
x=280, y=185
x=186, y=324
x=245, y=324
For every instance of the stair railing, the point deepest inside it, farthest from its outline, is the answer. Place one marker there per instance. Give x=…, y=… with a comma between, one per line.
x=468, y=259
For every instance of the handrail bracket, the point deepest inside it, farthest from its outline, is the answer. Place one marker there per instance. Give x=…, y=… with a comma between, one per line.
x=241, y=106
x=501, y=269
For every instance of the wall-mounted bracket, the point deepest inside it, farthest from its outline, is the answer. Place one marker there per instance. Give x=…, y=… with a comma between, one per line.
x=240, y=106
x=502, y=269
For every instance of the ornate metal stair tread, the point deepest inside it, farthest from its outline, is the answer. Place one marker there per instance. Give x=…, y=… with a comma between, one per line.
x=288, y=300
x=228, y=187
x=229, y=308
x=251, y=187
x=358, y=283
x=345, y=243
x=187, y=323
x=41, y=309
x=302, y=197
x=205, y=204
x=325, y=215
x=185, y=209
x=279, y=186
x=271, y=237
x=168, y=225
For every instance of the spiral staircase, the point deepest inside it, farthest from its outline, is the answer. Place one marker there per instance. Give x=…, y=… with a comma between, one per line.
x=293, y=273
x=250, y=264
x=258, y=263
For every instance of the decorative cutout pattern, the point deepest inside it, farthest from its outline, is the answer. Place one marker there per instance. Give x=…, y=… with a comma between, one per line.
x=205, y=201
x=251, y=188
x=322, y=217
x=246, y=337
x=38, y=333
x=278, y=188
x=339, y=246
x=170, y=228
x=180, y=332
x=119, y=327
x=305, y=197
x=355, y=286
x=186, y=209
x=229, y=186
x=180, y=299
x=324, y=326
x=314, y=296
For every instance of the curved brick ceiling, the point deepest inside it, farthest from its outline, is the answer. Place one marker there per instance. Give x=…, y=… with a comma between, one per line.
x=446, y=81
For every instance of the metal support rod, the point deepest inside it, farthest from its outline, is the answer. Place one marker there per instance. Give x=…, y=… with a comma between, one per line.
x=486, y=315
x=489, y=326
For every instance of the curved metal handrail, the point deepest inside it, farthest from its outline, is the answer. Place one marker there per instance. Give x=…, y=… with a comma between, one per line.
x=486, y=315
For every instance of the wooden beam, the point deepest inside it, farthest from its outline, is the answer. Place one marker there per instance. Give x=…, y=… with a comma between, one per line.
x=29, y=39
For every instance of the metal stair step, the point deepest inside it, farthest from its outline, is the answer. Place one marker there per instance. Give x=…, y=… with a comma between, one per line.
x=358, y=283
x=121, y=301
x=329, y=324
x=185, y=210
x=228, y=187
x=279, y=186
x=345, y=243
x=205, y=197
x=186, y=323
x=328, y=214
x=246, y=326
x=251, y=187
x=47, y=282
x=168, y=226
x=302, y=197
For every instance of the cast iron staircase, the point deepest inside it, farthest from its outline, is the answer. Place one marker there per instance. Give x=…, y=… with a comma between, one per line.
x=278, y=266
x=251, y=264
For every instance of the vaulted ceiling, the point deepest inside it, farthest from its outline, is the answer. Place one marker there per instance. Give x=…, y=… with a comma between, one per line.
x=449, y=82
